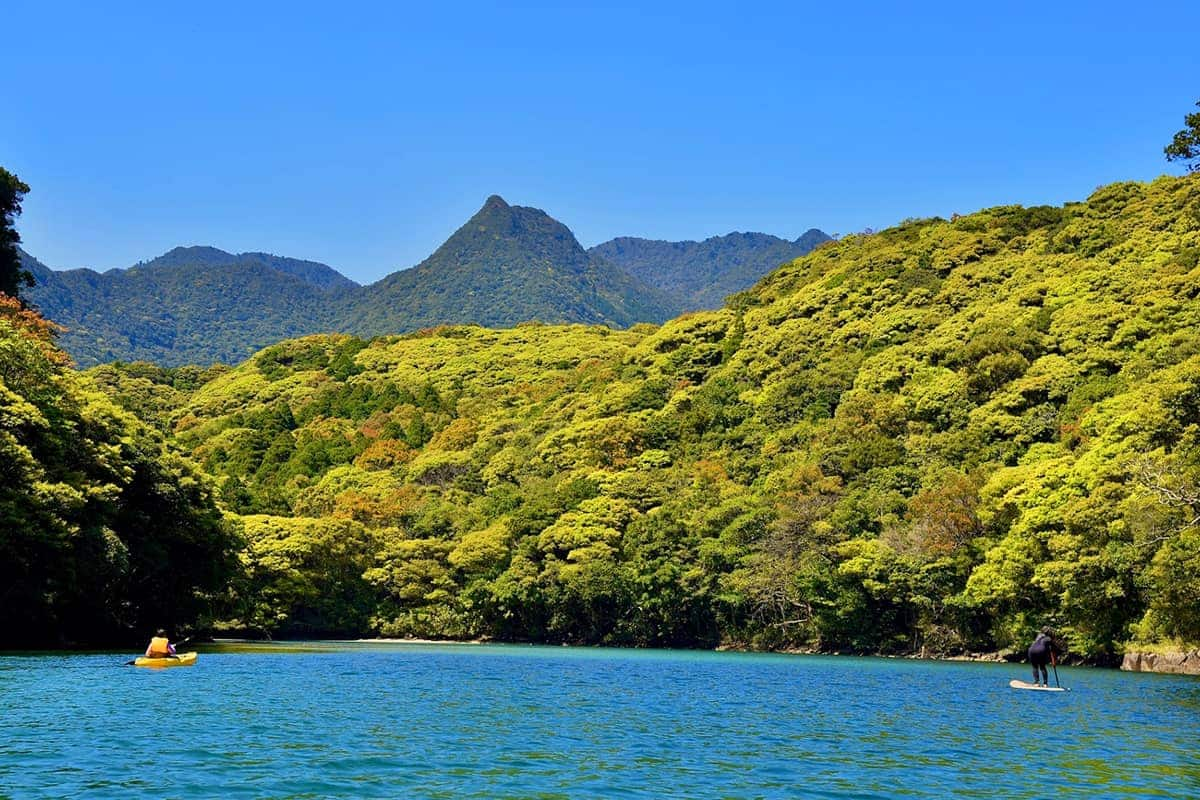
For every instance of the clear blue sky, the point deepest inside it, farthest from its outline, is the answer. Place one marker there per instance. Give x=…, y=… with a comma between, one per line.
x=362, y=135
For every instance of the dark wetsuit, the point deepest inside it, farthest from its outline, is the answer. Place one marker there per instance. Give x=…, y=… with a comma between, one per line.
x=1039, y=657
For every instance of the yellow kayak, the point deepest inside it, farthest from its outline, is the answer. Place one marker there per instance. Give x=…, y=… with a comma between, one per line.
x=181, y=660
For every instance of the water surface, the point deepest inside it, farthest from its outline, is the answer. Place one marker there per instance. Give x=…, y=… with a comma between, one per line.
x=493, y=721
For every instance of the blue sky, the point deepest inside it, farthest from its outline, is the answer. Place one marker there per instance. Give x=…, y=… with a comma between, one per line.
x=362, y=135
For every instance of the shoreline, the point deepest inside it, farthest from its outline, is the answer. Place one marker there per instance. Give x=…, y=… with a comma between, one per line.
x=1166, y=661
x=990, y=657
x=995, y=657
x=393, y=640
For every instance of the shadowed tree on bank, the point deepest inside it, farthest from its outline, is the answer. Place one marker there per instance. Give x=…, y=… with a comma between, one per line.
x=1186, y=144
x=12, y=275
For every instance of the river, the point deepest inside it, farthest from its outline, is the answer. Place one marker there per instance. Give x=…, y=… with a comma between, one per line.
x=500, y=721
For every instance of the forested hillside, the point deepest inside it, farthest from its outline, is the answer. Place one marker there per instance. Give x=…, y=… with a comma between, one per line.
x=313, y=273
x=190, y=305
x=700, y=275
x=936, y=437
x=105, y=531
x=506, y=265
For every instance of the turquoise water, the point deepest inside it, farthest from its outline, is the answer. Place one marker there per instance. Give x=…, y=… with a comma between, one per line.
x=453, y=721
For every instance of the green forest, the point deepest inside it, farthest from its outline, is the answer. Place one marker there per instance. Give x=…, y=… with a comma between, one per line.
x=931, y=439
x=105, y=530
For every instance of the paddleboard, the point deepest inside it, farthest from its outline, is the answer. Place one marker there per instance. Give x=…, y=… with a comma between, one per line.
x=1035, y=688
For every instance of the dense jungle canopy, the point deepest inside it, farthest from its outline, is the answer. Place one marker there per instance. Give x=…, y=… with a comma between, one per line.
x=933, y=438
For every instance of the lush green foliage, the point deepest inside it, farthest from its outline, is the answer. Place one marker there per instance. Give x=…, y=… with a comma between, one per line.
x=13, y=274
x=104, y=531
x=154, y=394
x=1186, y=144
x=700, y=275
x=935, y=437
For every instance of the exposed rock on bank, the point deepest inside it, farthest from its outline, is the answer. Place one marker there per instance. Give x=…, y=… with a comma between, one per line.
x=1178, y=663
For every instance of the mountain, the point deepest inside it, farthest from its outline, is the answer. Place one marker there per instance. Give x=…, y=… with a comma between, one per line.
x=931, y=439
x=700, y=275
x=506, y=265
x=319, y=275
x=41, y=273
x=190, y=305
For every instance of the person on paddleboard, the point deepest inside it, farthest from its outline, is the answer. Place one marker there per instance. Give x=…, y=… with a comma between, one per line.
x=160, y=646
x=1043, y=651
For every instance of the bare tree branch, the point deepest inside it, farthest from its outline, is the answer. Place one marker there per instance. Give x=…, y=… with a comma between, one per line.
x=1170, y=490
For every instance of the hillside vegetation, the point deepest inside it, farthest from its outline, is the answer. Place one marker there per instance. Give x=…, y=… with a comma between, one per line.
x=314, y=273
x=200, y=305
x=936, y=438
x=700, y=275
x=105, y=531
x=506, y=265
x=191, y=305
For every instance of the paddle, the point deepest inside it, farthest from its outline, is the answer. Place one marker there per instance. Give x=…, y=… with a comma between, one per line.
x=178, y=644
x=1054, y=663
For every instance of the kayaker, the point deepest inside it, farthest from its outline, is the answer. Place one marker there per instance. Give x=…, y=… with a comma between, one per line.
x=1042, y=652
x=160, y=647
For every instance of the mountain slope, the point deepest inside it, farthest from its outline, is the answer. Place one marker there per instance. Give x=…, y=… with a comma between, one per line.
x=192, y=305
x=316, y=274
x=700, y=275
x=506, y=265
x=935, y=438
x=41, y=273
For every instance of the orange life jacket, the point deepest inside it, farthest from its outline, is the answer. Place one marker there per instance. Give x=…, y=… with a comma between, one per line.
x=158, y=647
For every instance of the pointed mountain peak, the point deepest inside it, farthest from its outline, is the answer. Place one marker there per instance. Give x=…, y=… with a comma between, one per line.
x=812, y=237
x=503, y=266
x=500, y=236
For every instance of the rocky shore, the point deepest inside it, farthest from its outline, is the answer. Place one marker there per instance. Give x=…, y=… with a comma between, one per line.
x=1171, y=663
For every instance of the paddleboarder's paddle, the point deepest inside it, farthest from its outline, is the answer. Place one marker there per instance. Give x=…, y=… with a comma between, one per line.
x=1054, y=663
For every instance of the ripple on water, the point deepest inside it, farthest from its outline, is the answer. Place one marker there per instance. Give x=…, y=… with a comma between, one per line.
x=370, y=720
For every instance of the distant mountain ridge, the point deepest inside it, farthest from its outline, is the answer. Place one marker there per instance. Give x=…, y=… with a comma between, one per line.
x=177, y=312
x=315, y=273
x=506, y=265
x=700, y=275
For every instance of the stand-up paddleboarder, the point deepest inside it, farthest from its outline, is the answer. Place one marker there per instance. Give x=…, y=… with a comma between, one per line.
x=1043, y=651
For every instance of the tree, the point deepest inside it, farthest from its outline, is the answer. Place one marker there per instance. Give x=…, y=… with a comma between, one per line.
x=12, y=275
x=1186, y=144
x=106, y=532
